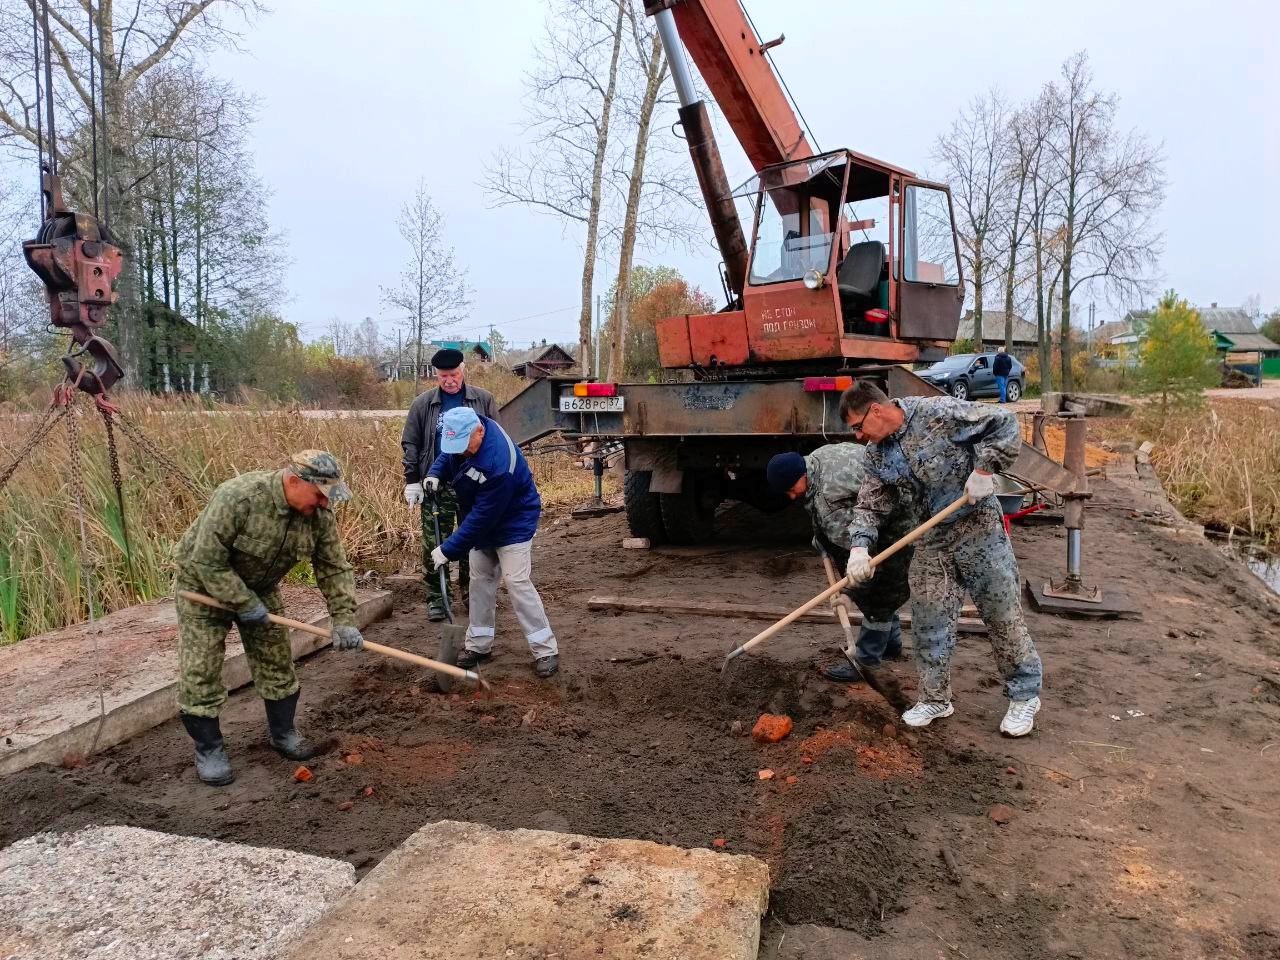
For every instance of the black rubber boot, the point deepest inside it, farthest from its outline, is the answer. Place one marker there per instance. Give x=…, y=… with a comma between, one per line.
x=285, y=738
x=436, y=612
x=212, y=764
x=843, y=672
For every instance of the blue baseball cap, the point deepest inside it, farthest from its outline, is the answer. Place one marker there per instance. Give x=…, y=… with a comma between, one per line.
x=456, y=428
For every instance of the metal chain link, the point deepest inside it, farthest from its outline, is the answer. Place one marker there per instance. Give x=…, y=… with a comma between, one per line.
x=86, y=559
x=46, y=424
x=134, y=433
x=113, y=458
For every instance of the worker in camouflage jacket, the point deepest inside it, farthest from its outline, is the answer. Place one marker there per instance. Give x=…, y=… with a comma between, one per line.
x=254, y=530
x=828, y=480
x=927, y=452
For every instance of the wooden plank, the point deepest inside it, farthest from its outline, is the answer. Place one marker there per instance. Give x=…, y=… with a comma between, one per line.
x=968, y=623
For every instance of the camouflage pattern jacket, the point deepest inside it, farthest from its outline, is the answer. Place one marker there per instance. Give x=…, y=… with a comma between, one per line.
x=925, y=463
x=248, y=538
x=835, y=475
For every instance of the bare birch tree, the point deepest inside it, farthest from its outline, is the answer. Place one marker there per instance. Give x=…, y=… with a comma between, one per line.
x=433, y=289
x=571, y=107
x=974, y=155
x=1014, y=219
x=1109, y=187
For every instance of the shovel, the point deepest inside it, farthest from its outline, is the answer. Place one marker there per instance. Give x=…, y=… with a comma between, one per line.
x=452, y=636
x=839, y=585
x=886, y=686
x=441, y=669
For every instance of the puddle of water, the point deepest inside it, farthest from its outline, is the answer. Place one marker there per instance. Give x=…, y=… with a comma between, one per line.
x=1264, y=564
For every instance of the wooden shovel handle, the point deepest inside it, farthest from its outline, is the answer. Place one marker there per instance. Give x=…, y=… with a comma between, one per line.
x=839, y=585
x=406, y=656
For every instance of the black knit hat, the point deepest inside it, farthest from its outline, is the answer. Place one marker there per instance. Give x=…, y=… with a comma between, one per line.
x=784, y=470
x=447, y=359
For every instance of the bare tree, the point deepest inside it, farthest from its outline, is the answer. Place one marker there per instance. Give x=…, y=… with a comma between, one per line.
x=974, y=155
x=433, y=289
x=121, y=47
x=1015, y=223
x=653, y=68
x=1109, y=188
x=571, y=106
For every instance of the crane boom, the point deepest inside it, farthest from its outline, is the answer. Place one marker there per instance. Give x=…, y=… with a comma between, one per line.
x=732, y=61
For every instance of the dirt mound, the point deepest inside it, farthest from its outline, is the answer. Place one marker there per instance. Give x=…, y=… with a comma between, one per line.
x=658, y=749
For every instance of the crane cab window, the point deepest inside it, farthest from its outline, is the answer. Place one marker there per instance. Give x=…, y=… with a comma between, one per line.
x=794, y=236
x=928, y=244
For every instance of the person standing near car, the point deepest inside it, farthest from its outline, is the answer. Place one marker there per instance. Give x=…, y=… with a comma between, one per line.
x=1001, y=368
x=421, y=445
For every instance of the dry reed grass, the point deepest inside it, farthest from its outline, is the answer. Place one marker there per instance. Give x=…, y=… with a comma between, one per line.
x=1220, y=465
x=40, y=574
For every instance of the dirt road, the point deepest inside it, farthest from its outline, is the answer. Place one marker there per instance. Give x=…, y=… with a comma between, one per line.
x=1143, y=812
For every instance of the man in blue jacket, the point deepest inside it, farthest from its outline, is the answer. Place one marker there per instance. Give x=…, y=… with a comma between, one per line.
x=501, y=505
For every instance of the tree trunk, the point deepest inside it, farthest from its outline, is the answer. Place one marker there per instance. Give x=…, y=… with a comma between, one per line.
x=1042, y=330
x=585, y=344
x=622, y=303
x=979, y=268
x=1011, y=273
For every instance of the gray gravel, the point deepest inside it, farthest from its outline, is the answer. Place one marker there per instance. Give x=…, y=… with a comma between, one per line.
x=120, y=892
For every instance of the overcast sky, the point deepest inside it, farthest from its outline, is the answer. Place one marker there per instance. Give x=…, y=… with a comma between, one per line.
x=358, y=101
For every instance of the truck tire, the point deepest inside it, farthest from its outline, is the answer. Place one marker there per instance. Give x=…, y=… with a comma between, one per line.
x=689, y=516
x=644, y=512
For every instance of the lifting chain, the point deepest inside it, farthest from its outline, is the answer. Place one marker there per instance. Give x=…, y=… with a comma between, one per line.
x=50, y=420
x=86, y=558
x=134, y=433
x=117, y=481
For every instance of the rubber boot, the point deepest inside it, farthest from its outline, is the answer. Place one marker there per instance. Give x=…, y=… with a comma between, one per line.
x=212, y=764
x=285, y=738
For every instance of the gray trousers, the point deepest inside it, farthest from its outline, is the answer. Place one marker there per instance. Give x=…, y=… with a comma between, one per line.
x=510, y=565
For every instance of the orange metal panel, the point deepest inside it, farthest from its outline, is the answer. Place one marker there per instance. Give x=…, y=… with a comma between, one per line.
x=673, y=341
x=788, y=321
x=718, y=338
x=878, y=348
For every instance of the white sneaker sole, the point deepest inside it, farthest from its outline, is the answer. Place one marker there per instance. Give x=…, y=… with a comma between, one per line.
x=1020, y=733
x=928, y=720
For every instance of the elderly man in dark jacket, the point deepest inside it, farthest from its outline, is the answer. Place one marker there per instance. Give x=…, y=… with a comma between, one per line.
x=500, y=506
x=421, y=444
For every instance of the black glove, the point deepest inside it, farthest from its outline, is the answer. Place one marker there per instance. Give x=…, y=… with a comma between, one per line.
x=347, y=638
x=255, y=616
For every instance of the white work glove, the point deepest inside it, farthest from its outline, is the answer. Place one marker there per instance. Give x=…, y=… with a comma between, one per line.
x=859, y=568
x=438, y=557
x=347, y=638
x=979, y=485
x=432, y=484
x=413, y=494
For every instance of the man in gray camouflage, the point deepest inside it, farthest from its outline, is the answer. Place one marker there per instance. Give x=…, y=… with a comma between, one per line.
x=927, y=452
x=254, y=530
x=827, y=480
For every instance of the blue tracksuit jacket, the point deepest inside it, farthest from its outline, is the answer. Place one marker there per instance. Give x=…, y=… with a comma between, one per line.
x=495, y=492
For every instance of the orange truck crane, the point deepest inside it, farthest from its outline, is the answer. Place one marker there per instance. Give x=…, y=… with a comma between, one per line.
x=852, y=268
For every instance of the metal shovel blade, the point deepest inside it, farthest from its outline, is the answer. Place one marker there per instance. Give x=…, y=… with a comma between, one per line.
x=452, y=636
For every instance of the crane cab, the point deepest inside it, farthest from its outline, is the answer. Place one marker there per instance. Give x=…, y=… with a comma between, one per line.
x=850, y=260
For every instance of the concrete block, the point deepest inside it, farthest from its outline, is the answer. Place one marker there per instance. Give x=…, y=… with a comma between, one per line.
x=49, y=684
x=120, y=893
x=464, y=891
x=635, y=543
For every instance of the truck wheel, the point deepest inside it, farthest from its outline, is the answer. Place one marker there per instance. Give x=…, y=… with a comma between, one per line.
x=644, y=512
x=689, y=516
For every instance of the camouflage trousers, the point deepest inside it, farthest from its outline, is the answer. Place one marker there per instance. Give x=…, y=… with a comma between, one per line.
x=202, y=641
x=972, y=554
x=449, y=520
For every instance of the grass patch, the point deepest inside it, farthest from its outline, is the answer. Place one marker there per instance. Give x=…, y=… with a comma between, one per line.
x=41, y=586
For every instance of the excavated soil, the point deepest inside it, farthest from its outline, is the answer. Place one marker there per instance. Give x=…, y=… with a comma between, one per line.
x=1141, y=814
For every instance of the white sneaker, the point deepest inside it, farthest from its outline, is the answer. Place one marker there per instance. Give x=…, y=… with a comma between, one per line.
x=923, y=714
x=1020, y=717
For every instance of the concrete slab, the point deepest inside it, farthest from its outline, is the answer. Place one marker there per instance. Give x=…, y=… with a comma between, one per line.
x=120, y=893
x=464, y=891
x=49, y=685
